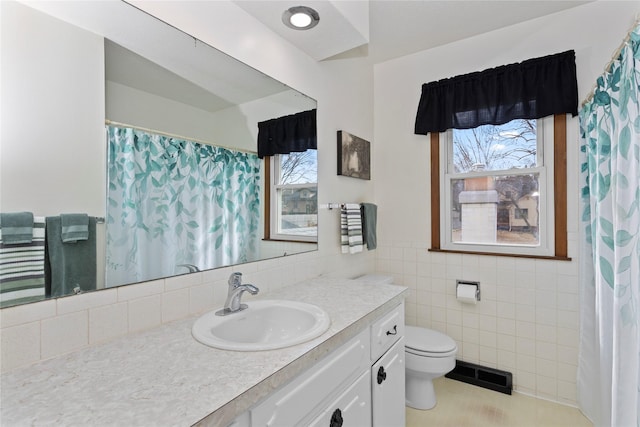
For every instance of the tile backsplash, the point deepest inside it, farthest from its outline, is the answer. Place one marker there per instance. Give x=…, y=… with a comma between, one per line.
x=526, y=322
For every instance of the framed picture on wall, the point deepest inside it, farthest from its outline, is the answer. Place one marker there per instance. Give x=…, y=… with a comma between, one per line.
x=354, y=157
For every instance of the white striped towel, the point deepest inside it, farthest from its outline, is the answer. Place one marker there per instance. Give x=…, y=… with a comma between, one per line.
x=344, y=232
x=351, y=229
x=22, y=268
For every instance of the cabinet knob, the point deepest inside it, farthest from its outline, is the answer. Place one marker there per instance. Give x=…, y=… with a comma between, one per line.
x=382, y=375
x=395, y=330
x=336, y=419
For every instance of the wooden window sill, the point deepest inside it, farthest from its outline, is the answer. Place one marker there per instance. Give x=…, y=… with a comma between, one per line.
x=553, y=258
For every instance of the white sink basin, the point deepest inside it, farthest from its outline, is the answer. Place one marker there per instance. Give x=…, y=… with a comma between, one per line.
x=265, y=325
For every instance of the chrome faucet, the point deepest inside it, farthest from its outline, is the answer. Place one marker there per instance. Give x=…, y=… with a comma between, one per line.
x=234, y=293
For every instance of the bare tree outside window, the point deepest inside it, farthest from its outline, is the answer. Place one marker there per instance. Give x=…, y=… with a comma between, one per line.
x=489, y=147
x=299, y=168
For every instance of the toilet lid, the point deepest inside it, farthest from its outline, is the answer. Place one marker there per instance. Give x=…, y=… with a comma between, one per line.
x=428, y=341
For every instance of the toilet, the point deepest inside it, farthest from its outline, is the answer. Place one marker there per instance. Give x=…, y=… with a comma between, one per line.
x=429, y=354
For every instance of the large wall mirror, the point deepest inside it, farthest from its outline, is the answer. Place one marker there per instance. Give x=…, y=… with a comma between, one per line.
x=86, y=84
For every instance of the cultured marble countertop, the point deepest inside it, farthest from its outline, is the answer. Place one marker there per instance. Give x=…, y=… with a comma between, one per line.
x=164, y=377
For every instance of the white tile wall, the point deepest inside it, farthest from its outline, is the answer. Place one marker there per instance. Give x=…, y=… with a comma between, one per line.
x=64, y=333
x=20, y=345
x=526, y=322
x=108, y=322
x=33, y=332
x=145, y=313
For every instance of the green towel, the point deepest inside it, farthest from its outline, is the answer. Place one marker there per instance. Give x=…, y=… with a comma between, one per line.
x=17, y=228
x=74, y=227
x=68, y=266
x=369, y=213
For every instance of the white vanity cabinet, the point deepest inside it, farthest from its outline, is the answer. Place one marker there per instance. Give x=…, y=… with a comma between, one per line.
x=360, y=384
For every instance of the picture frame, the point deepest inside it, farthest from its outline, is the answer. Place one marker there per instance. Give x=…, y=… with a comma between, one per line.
x=354, y=156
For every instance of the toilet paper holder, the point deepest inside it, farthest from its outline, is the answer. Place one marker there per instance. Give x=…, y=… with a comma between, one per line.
x=470, y=283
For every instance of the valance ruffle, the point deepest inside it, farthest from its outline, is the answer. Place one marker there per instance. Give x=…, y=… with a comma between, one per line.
x=531, y=89
x=292, y=133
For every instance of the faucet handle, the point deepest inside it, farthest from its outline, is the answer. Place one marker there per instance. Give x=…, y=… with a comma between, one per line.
x=235, y=279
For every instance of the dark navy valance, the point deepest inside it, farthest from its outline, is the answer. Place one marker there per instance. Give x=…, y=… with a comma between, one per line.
x=530, y=89
x=293, y=133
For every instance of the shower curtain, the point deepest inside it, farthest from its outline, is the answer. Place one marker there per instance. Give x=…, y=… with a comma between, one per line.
x=609, y=361
x=175, y=205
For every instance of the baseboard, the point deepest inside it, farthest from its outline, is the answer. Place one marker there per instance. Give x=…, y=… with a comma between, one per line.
x=482, y=376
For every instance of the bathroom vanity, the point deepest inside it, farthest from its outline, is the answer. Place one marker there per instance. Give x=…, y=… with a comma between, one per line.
x=354, y=372
x=359, y=384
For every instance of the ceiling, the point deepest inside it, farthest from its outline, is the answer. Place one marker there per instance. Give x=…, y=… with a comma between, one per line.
x=396, y=28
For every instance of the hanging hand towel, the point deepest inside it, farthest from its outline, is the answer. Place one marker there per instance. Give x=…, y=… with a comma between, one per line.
x=344, y=231
x=17, y=228
x=22, y=268
x=69, y=266
x=354, y=227
x=369, y=217
x=75, y=227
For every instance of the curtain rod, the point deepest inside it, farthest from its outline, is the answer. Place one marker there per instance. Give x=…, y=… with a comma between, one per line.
x=171, y=135
x=613, y=58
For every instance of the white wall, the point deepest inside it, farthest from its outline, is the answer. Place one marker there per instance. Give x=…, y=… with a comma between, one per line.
x=527, y=321
x=233, y=127
x=34, y=332
x=52, y=147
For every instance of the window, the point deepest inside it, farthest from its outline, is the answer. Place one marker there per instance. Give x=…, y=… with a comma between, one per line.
x=503, y=187
x=522, y=214
x=292, y=208
x=537, y=88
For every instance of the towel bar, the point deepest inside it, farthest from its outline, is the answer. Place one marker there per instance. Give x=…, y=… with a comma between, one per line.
x=332, y=206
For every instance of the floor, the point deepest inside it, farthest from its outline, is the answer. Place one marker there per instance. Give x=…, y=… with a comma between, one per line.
x=460, y=405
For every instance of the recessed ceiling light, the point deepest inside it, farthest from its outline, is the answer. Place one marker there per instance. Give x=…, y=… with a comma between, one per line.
x=300, y=18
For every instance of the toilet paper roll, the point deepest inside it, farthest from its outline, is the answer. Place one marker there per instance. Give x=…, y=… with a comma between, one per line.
x=466, y=293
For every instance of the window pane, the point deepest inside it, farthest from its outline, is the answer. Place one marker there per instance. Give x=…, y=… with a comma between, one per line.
x=299, y=168
x=298, y=211
x=496, y=210
x=490, y=147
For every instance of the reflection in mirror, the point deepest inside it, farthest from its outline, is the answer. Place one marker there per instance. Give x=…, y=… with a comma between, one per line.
x=176, y=204
x=68, y=67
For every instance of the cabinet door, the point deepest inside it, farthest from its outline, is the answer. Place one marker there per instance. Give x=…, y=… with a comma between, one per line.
x=387, y=388
x=351, y=409
x=306, y=395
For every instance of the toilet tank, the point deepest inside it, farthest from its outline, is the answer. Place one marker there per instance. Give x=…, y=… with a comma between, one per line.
x=375, y=279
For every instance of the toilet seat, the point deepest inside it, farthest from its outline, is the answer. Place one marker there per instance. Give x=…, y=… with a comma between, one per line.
x=428, y=343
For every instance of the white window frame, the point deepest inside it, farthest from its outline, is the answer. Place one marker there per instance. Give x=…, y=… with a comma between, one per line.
x=545, y=169
x=275, y=204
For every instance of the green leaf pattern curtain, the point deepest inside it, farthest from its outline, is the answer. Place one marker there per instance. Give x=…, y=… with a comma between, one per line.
x=609, y=362
x=174, y=203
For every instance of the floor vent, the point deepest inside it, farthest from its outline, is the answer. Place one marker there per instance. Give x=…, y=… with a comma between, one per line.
x=482, y=376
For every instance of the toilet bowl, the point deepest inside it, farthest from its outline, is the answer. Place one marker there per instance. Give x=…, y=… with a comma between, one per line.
x=429, y=354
